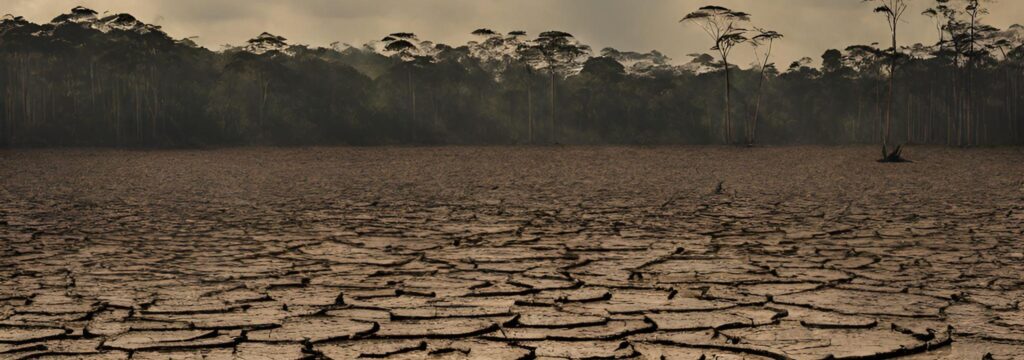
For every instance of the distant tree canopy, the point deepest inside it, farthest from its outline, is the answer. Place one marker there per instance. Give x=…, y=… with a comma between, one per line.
x=86, y=80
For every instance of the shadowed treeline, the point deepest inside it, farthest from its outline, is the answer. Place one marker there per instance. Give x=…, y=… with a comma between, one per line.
x=90, y=80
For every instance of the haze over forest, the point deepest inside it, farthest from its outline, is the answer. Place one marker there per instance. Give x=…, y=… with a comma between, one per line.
x=87, y=78
x=811, y=26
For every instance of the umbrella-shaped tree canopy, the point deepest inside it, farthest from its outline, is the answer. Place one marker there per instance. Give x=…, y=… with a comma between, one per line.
x=485, y=32
x=556, y=51
x=266, y=43
x=555, y=34
x=400, y=46
x=404, y=35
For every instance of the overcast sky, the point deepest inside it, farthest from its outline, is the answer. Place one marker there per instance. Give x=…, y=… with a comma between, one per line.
x=810, y=26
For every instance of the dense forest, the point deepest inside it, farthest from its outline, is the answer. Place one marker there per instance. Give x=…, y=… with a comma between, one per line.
x=90, y=80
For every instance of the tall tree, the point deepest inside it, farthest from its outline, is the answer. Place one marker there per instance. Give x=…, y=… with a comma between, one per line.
x=893, y=11
x=767, y=39
x=561, y=55
x=401, y=45
x=529, y=54
x=946, y=21
x=965, y=40
x=722, y=25
x=976, y=34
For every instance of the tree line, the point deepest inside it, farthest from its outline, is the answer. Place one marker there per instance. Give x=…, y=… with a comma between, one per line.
x=90, y=80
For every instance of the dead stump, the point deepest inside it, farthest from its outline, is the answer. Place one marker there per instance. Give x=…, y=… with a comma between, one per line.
x=896, y=156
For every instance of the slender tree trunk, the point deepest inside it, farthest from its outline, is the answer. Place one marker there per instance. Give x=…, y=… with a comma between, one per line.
x=554, y=131
x=154, y=104
x=760, y=88
x=114, y=112
x=728, y=102
x=137, y=104
x=887, y=132
x=412, y=101
x=26, y=107
x=949, y=123
x=971, y=126
x=1018, y=126
x=9, y=104
x=707, y=114
x=879, y=126
x=860, y=117
x=586, y=113
x=929, y=134
x=1017, y=107
x=957, y=121
x=264, y=96
x=912, y=120
x=512, y=134
x=529, y=112
x=1007, y=93
x=757, y=107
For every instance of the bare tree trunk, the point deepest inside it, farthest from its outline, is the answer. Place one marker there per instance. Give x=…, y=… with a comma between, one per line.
x=510, y=121
x=949, y=122
x=412, y=100
x=757, y=104
x=860, y=117
x=1018, y=125
x=887, y=132
x=880, y=124
x=433, y=106
x=909, y=119
x=26, y=107
x=956, y=111
x=971, y=126
x=707, y=115
x=728, y=102
x=554, y=131
x=529, y=112
x=137, y=103
x=154, y=104
x=930, y=112
x=9, y=105
x=1017, y=97
x=1008, y=94
x=115, y=113
x=265, y=94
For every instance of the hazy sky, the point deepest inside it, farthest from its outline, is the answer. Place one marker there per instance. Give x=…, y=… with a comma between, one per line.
x=810, y=26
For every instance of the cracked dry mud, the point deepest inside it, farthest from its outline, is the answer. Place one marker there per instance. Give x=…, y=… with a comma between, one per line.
x=511, y=253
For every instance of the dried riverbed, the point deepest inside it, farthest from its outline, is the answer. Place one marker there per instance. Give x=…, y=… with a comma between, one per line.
x=511, y=253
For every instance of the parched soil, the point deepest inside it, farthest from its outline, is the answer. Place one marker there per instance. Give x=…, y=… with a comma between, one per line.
x=512, y=253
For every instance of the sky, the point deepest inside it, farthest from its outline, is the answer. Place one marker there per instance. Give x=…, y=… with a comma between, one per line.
x=810, y=26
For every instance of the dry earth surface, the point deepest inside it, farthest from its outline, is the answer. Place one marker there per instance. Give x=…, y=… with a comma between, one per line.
x=511, y=253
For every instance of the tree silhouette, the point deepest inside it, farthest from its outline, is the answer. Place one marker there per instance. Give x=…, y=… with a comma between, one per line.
x=406, y=50
x=1006, y=42
x=976, y=34
x=721, y=24
x=893, y=11
x=763, y=38
x=967, y=41
x=529, y=54
x=559, y=54
x=484, y=32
